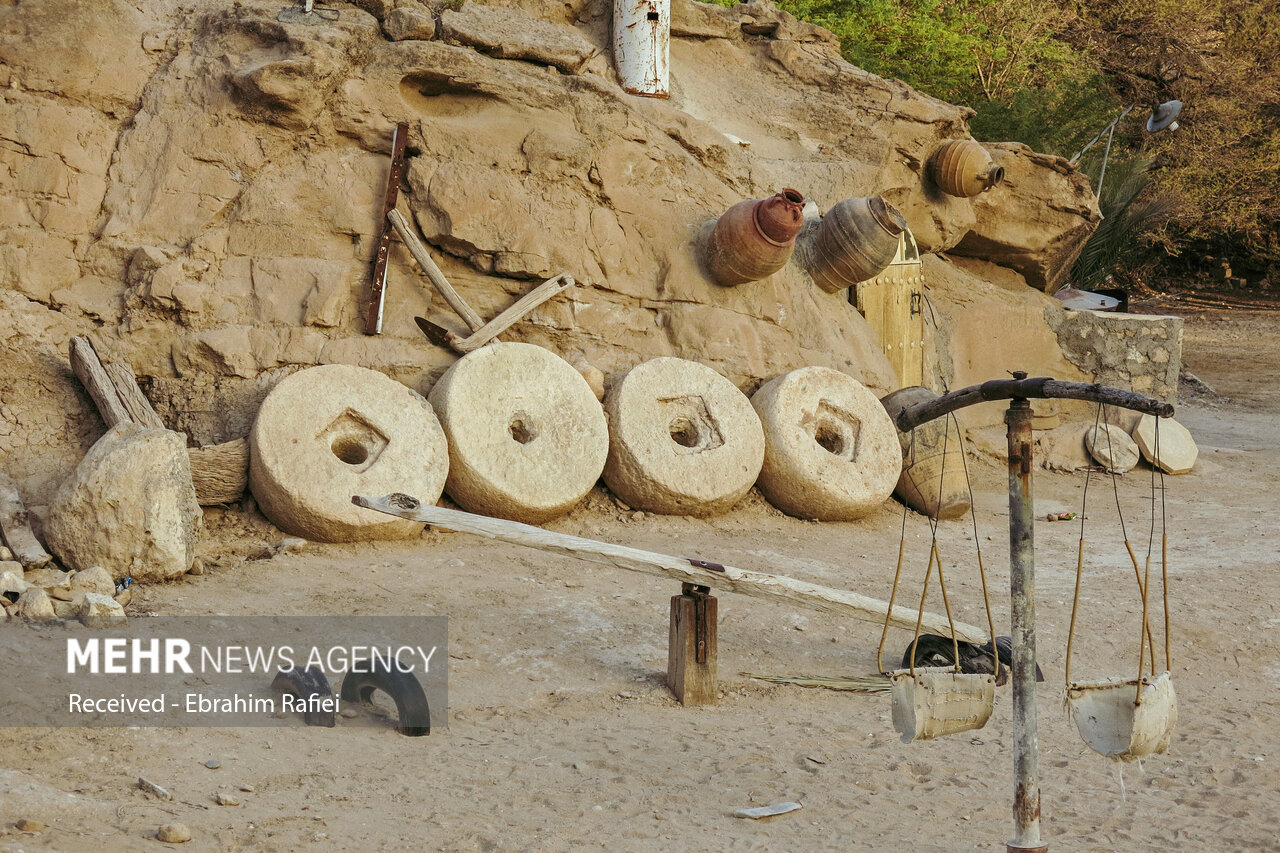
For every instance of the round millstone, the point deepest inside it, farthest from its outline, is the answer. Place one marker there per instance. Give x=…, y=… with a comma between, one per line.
x=1111, y=447
x=831, y=452
x=327, y=433
x=683, y=440
x=527, y=437
x=1177, y=451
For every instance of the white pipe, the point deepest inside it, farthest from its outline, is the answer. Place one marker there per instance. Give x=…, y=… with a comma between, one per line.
x=642, y=46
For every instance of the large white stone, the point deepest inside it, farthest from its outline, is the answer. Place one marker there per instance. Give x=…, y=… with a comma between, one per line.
x=682, y=439
x=527, y=437
x=327, y=433
x=1177, y=451
x=129, y=505
x=1111, y=447
x=831, y=452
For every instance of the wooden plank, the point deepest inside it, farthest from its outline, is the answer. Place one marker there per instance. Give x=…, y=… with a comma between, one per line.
x=434, y=275
x=135, y=402
x=378, y=287
x=691, y=673
x=540, y=294
x=698, y=572
x=15, y=528
x=88, y=368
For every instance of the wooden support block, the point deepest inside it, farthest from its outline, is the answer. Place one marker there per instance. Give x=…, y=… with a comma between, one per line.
x=691, y=655
x=15, y=530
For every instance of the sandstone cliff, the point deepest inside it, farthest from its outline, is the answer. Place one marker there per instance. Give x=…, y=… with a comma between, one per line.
x=198, y=186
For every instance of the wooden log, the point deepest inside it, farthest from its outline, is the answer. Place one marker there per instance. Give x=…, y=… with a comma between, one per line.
x=15, y=528
x=135, y=402
x=1037, y=388
x=515, y=313
x=93, y=376
x=691, y=651
x=698, y=572
x=220, y=472
x=423, y=257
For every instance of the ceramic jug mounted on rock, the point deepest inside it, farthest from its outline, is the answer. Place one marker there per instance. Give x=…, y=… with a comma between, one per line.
x=963, y=168
x=856, y=241
x=753, y=239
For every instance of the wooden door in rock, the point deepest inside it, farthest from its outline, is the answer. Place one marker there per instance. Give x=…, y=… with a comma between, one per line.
x=893, y=303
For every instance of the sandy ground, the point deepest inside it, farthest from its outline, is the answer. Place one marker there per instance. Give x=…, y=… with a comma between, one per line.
x=563, y=736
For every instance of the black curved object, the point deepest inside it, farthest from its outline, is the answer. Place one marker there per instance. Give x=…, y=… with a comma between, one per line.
x=411, y=702
x=307, y=684
x=935, y=650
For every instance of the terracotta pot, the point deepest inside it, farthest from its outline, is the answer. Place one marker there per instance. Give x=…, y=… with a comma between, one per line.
x=753, y=239
x=856, y=241
x=963, y=168
x=924, y=485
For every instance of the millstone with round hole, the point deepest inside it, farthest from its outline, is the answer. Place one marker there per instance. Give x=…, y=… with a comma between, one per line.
x=831, y=452
x=1177, y=450
x=527, y=437
x=327, y=433
x=1111, y=447
x=682, y=439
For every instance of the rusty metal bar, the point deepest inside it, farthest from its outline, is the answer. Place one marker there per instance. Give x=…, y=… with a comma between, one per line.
x=1042, y=387
x=1022, y=574
x=378, y=287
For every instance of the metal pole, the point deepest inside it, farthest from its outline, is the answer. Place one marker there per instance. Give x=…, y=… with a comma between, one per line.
x=1026, y=796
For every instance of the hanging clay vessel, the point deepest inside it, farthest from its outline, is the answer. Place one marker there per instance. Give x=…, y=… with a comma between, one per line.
x=933, y=480
x=856, y=241
x=753, y=239
x=963, y=168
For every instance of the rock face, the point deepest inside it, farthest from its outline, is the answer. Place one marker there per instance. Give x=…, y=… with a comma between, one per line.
x=129, y=506
x=159, y=198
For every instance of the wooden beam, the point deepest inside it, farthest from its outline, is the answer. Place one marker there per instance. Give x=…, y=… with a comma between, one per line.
x=698, y=572
x=515, y=313
x=88, y=367
x=691, y=651
x=433, y=272
x=125, y=381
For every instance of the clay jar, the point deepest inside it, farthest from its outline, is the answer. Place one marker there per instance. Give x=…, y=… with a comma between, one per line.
x=963, y=168
x=934, y=480
x=753, y=239
x=856, y=241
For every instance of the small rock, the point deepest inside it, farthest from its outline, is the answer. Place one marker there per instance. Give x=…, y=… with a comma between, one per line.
x=68, y=609
x=5, y=554
x=34, y=606
x=46, y=579
x=101, y=611
x=349, y=713
x=12, y=582
x=173, y=833
x=248, y=789
x=293, y=543
x=409, y=24
x=213, y=764
x=124, y=596
x=96, y=579
x=225, y=799
x=26, y=825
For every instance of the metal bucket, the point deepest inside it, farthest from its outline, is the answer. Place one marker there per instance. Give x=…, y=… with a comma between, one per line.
x=963, y=168
x=753, y=239
x=1113, y=724
x=923, y=485
x=857, y=239
x=939, y=701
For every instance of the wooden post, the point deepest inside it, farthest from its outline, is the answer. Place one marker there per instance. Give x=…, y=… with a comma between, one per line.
x=15, y=530
x=691, y=655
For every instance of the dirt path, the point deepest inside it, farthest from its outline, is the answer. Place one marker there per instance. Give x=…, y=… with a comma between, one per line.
x=562, y=735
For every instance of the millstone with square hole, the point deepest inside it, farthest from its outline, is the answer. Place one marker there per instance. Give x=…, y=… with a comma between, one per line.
x=683, y=440
x=330, y=432
x=831, y=452
x=527, y=437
